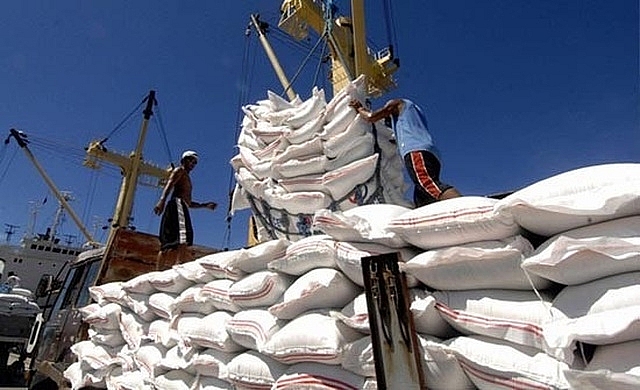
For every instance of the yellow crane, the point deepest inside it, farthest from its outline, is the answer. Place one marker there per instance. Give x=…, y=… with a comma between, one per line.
x=346, y=37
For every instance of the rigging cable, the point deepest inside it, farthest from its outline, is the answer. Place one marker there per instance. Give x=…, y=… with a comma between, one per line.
x=4, y=173
x=246, y=72
x=390, y=23
x=320, y=62
x=127, y=118
x=163, y=135
x=304, y=62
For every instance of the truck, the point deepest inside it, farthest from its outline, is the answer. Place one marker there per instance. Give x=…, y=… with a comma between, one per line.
x=127, y=254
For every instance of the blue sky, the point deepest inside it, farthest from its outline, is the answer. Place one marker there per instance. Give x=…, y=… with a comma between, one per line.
x=515, y=91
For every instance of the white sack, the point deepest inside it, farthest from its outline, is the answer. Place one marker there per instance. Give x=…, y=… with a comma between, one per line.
x=476, y=265
x=453, y=222
x=576, y=198
x=588, y=253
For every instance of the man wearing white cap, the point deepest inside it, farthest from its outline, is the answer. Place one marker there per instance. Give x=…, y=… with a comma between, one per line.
x=176, y=232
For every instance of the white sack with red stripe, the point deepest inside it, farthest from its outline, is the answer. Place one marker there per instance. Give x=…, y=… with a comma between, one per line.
x=160, y=332
x=211, y=362
x=196, y=330
x=576, y=198
x=311, y=337
x=262, y=288
x=588, y=253
x=453, y=222
x=217, y=292
x=476, y=265
x=251, y=370
x=309, y=253
x=493, y=364
x=314, y=376
x=253, y=328
x=218, y=264
x=366, y=223
x=162, y=304
x=516, y=316
x=191, y=301
x=319, y=288
x=257, y=257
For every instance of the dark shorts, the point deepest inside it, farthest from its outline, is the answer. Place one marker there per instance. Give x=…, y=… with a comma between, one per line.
x=424, y=170
x=175, y=226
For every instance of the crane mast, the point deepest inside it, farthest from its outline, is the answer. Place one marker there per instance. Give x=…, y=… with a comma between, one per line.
x=132, y=167
x=346, y=37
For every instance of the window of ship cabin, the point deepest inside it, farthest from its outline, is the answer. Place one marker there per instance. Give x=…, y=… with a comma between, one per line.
x=89, y=279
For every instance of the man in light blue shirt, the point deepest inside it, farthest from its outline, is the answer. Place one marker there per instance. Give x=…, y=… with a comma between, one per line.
x=416, y=147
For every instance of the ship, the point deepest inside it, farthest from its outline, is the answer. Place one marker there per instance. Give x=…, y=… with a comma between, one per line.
x=38, y=254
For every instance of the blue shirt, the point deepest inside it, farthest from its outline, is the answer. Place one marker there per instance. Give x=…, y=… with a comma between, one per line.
x=411, y=130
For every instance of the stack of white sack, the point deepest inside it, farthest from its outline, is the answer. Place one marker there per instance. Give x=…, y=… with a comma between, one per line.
x=491, y=311
x=297, y=157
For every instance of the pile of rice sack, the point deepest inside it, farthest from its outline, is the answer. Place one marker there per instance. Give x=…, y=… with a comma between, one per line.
x=539, y=289
x=299, y=157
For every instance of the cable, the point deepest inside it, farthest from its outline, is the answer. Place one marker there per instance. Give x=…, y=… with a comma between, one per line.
x=163, y=135
x=246, y=72
x=304, y=62
x=121, y=124
x=389, y=21
x=4, y=173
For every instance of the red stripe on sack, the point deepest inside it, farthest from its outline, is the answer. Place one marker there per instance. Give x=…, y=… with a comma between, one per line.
x=515, y=384
x=250, y=385
x=266, y=289
x=476, y=319
x=433, y=218
x=306, y=379
x=249, y=325
x=303, y=357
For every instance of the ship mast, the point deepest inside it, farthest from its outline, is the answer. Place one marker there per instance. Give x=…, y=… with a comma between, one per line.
x=132, y=167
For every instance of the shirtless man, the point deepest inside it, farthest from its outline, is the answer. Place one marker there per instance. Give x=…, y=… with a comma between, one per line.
x=176, y=232
x=416, y=147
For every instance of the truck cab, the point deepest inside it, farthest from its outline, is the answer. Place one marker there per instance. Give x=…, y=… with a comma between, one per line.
x=127, y=254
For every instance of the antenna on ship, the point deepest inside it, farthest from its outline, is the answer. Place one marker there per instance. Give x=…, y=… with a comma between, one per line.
x=9, y=231
x=59, y=216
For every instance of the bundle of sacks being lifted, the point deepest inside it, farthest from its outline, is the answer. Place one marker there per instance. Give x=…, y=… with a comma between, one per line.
x=301, y=156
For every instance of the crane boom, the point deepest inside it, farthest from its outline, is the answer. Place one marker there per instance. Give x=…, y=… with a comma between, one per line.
x=22, y=142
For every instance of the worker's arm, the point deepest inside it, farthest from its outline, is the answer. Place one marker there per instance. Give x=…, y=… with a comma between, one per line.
x=391, y=108
x=176, y=174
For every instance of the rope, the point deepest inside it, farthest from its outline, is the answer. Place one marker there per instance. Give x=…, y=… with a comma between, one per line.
x=4, y=173
x=125, y=120
x=304, y=220
x=320, y=61
x=163, y=135
x=246, y=71
x=304, y=63
x=389, y=21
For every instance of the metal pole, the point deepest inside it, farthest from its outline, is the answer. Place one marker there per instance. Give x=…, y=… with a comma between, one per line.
x=128, y=190
x=51, y=185
x=274, y=60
